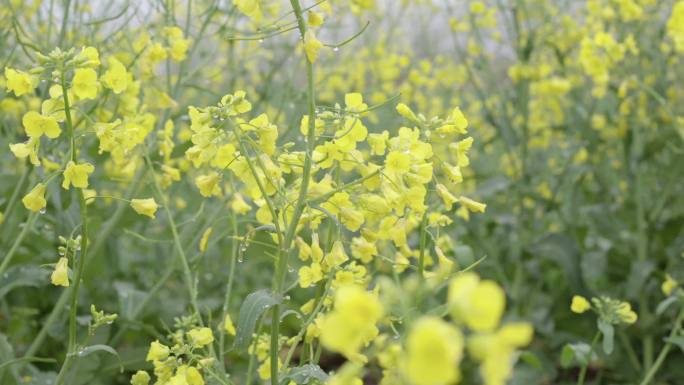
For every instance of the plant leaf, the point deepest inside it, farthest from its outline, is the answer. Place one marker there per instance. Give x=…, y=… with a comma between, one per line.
x=252, y=308
x=19, y=276
x=88, y=350
x=304, y=374
x=608, y=332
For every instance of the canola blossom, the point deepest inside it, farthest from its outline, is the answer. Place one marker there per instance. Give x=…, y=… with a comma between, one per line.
x=341, y=192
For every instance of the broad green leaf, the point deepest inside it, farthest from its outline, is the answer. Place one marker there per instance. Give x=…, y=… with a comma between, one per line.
x=608, y=332
x=88, y=350
x=252, y=308
x=20, y=276
x=665, y=304
x=567, y=356
x=678, y=340
x=531, y=359
x=304, y=375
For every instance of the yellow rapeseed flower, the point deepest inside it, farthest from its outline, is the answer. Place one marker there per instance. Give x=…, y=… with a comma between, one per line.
x=434, y=350
x=311, y=46
x=146, y=206
x=200, y=337
x=77, y=175
x=84, y=83
x=35, y=199
x=157, y=351
x=579, y=304
x=36, y=125
x=116, y=77
x=20, y=82
x=60, y=276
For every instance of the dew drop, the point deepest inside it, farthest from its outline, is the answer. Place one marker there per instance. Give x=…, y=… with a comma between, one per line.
x=261, y=41
x=42, y=211
x=336, y=49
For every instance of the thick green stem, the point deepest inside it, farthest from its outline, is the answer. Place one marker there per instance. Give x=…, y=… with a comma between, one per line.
x=281, y=269
x=229, y=285
x=664, y=352
x=73, y=327
x=583, y=370
x=17, y=242
x=15, y=195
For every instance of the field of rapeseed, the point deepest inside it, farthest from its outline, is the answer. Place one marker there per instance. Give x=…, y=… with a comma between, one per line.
x=344, y=192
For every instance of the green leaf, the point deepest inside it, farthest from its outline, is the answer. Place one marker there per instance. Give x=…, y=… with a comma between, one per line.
x=665, y=304
x=579, y=351
x=678, y=340
x=20, y=276
x=98, y=348
x=567, y=356
x=304, y=374
x=531, y=359
x=6, y=355
x=252, y=308
x=608, y=332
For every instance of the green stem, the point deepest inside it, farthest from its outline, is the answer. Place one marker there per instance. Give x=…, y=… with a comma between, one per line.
x=187, y=273
x=281, y=269
x=65, y=19
x=15, y=194
x=583, y=371
x=17, y=242
x=665, y=350
x=229, y=285
x=73, y=329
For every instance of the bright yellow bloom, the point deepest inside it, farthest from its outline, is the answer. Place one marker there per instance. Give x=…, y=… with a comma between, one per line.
x=397, y=162
x=88, y=57
x=20, y=82
x=77, y=175
x=60, y=276
x=675, y=26
x=354, y=102
x=626, y=314
x=477, y=303
x=27, y=149
x=140, y=378
x=208, y=184
x=472, y=205
x=433, y=352
x=311, y=46
x=204, y=240
x=200, y=337
x=496, y=350
x=351, y=325
x=84, y=83
x=145, y=206
x=228, y=325
x=157, y=352
x=186, y=375
x=250, y=8
x=116, y=77
x=447, y=197
x=314, y=19
x=36, y=125
x=579, y=304
x=35, y=199
x=668, y=285
x=406, y=112
x=309, y=275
